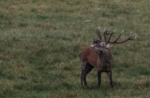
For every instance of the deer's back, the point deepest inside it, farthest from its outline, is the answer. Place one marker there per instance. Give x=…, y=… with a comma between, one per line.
x=89, y=55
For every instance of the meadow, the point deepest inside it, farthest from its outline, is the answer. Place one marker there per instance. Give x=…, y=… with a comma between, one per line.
x=40, y=41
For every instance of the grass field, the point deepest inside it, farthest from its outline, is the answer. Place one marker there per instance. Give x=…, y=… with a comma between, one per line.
x=40, y=41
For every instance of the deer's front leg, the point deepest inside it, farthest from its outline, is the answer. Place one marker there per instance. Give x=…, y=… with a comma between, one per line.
x=99, y=78
x=110, y=78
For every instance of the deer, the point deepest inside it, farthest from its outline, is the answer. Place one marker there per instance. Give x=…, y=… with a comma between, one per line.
x=99, y=55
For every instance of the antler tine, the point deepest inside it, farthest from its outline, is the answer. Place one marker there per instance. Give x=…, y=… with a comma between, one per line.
x=110, y=36
x=119, y=36
x=135, y=37
x=104, y=29
x=107, y=32
x=131, y=37
x=104, y=35
x=98, y=33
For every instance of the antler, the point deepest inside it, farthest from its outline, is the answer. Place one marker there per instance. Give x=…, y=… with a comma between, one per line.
x=104, y=36
x=129, y=38
x=98, y=33
x=105, y=31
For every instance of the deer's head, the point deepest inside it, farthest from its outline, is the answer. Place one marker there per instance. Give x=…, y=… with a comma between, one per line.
x=104, y=44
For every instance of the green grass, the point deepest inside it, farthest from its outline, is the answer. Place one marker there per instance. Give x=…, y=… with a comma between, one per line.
x=40, y=41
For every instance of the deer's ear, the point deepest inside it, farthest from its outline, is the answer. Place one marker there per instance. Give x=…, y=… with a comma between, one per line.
x=92, y=45
x=109, y=46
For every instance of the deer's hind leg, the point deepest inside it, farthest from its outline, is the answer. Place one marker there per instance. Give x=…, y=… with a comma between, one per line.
x=83, y=69
x=86, y=68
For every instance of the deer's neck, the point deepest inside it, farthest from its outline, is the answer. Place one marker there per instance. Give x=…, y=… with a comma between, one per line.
x=104, y=55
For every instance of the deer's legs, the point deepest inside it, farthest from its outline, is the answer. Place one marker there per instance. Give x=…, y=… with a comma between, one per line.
x=87, y=70
x=99, y=78
x=110, y=78
x=83, y=68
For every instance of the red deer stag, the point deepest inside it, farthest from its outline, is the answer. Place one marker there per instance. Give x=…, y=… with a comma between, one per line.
x=99, y=55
